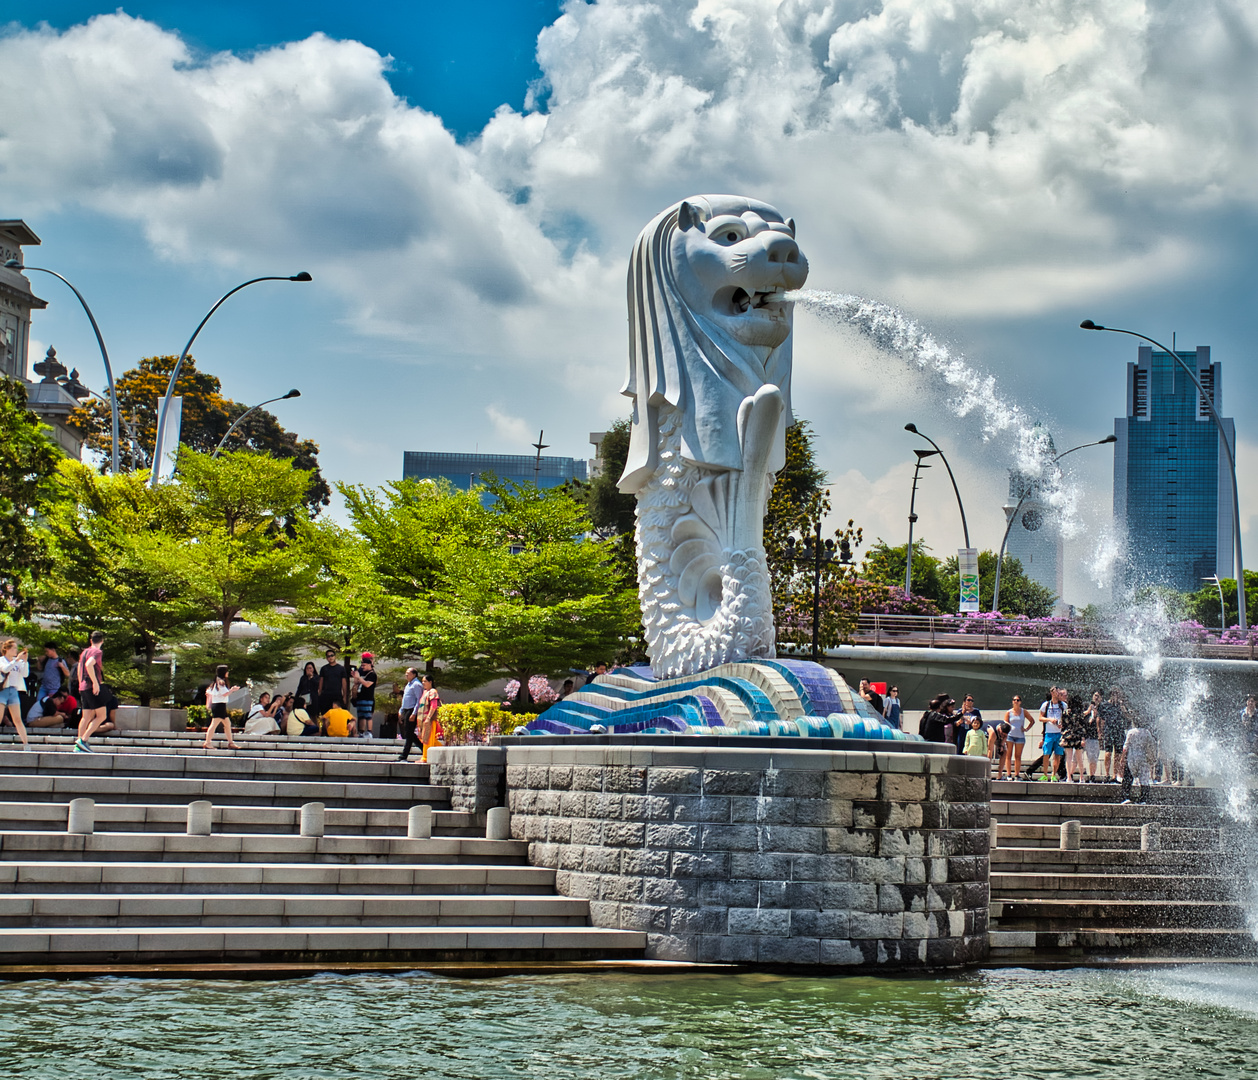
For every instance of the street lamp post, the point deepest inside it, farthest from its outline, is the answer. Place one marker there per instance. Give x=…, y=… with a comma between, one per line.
x=813, y=552
x=922, y=455
x=965, y=529
x=1014, y=516
x=253, y=408
x=174, y=375
x=1242, y=617
x=14, y=264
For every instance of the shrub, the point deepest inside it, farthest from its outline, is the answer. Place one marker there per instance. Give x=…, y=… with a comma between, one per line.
x=470, y=722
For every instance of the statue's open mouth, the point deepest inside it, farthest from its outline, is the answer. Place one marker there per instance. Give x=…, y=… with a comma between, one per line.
x=741, y=301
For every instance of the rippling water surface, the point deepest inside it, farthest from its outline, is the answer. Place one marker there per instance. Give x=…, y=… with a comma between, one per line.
x=1189, y=1022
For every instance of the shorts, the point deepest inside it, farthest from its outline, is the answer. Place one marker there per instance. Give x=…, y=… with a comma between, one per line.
x=10, y=696
x=365, y=709
x=1114, y=743
x=219, y=710
x=1017, y=740
x=1092, y=747
x=1052, y=744
x=89, y=701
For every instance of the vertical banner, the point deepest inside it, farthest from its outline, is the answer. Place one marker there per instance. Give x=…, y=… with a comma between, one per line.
x=967, y=563
x=168, y=452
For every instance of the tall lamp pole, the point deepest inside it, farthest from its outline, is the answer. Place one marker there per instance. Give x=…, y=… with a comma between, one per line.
x=14, y=264
x=537, y=461
x=253, y=408
x=922, y=455
x=1242, y=617
x=1014, y=516
x=174, y=375
x=965, y=529
x=1213, y=579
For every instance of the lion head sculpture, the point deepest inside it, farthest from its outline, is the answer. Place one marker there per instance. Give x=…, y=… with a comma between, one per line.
x=709, y=327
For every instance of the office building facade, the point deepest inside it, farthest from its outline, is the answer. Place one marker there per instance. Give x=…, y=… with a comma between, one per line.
x=1172, y=483
x=465, y=470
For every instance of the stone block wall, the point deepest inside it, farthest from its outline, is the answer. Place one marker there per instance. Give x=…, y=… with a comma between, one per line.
x=475, y=775
x=770, y=856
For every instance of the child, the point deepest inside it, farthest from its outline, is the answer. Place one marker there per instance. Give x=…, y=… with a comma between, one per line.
x=975, y=744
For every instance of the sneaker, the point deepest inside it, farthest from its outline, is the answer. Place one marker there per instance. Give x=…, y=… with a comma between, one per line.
x=1125, y=802
x=82, y=748
x=1045, y=778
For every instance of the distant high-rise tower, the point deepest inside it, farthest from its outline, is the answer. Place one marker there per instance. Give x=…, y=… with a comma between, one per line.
x=1172, y=485
x=1035, y=539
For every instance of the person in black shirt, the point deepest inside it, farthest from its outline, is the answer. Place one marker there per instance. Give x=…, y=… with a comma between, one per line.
x=308, y=684
x=364, y=679
x=331, y=683
x=872, y=696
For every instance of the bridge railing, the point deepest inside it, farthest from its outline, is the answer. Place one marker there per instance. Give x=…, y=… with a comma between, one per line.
x=984, y=631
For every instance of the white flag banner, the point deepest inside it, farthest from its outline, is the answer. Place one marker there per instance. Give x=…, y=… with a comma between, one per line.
x=168, y=452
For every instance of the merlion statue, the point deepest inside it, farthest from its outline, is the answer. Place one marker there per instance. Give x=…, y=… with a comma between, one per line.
x=710, y=379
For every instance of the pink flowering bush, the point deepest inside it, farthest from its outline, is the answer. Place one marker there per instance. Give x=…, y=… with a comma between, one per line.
x=540, y=690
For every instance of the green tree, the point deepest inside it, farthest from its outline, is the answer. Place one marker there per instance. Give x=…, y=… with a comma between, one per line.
x=346, y=607
x=519, y=591
x=886, y=565
x=1203, y=605
x=207, y=417
x=248, y=556
x=612, y=512
x=403, y=525
x=28, y=466
x=118, y=565
x=1019, y=595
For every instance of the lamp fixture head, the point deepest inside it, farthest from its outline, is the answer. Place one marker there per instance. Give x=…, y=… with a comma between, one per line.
x=1108, y=439
x=291, y=394
x=911, y=427
x=303, y=276
x=1088, y=324
x=13, y=264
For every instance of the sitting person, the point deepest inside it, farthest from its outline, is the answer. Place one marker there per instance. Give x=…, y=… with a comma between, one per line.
x=261, y=719
x=299, y=722
x=57, y=710
x=339, y=723
x=110, y=702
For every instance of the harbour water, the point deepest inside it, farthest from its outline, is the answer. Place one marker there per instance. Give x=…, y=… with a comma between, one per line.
x=1196, y=1021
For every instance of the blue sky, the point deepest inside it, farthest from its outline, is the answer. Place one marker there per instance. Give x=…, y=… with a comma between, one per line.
x=999, y=173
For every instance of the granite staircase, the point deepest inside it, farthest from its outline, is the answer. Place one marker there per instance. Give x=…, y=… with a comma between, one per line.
x=139, y=889
x=1163, y=878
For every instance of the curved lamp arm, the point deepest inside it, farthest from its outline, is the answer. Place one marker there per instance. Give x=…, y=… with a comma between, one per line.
x=240, y=419
x=13, y=264
x=174, y=375
x=965, y=529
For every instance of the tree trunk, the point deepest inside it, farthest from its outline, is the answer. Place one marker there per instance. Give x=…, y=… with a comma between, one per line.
x=523, y=699
x=150, y=654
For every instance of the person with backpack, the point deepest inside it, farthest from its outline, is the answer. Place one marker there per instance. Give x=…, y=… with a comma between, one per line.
x=13, y=671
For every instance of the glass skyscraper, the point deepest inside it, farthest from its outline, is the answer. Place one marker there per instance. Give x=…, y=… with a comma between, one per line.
x=464, y=470
x=1172, y=485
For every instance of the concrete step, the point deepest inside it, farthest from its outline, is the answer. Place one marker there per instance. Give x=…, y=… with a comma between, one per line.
x=1049, y=945
x=107, y=876
x=213, y=765
x=1102, y=837
x=1159, y=913
x=1100, y=886
x=1161, y=794
x=253, y=847
x=193, y=740
x=1047, y=812
x=51, y=909
x=1035, y=860
x=39, y=945
x=163, y=818
x=221, y=792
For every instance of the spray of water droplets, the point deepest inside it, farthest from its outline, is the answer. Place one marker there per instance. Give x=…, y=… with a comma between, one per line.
x=972, y=392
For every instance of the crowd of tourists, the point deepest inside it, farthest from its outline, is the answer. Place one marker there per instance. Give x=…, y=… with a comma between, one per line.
x=1096, y=738
x=57, y=692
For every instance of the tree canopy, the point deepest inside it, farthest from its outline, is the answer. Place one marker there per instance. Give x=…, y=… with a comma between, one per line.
x=207, y=417
x=28, y=466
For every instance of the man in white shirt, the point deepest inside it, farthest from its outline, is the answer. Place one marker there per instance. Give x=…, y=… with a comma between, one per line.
x=1140, y=755
x=1051, y=713
x=408, y=713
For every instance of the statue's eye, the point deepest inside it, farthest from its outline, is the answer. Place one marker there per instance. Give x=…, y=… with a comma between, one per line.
x=732, y=237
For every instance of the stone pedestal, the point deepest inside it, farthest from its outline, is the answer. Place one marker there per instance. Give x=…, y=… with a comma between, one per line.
x=769, y=855
x=475, y=775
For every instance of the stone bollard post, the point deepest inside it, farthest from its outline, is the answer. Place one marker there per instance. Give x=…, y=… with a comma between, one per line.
x=498, y=824
x=993, y=841
x=1151, y=836
x=312, y=819
x=1071, y=835
x=419, y=823
x=82, y=817
x=200, y=817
